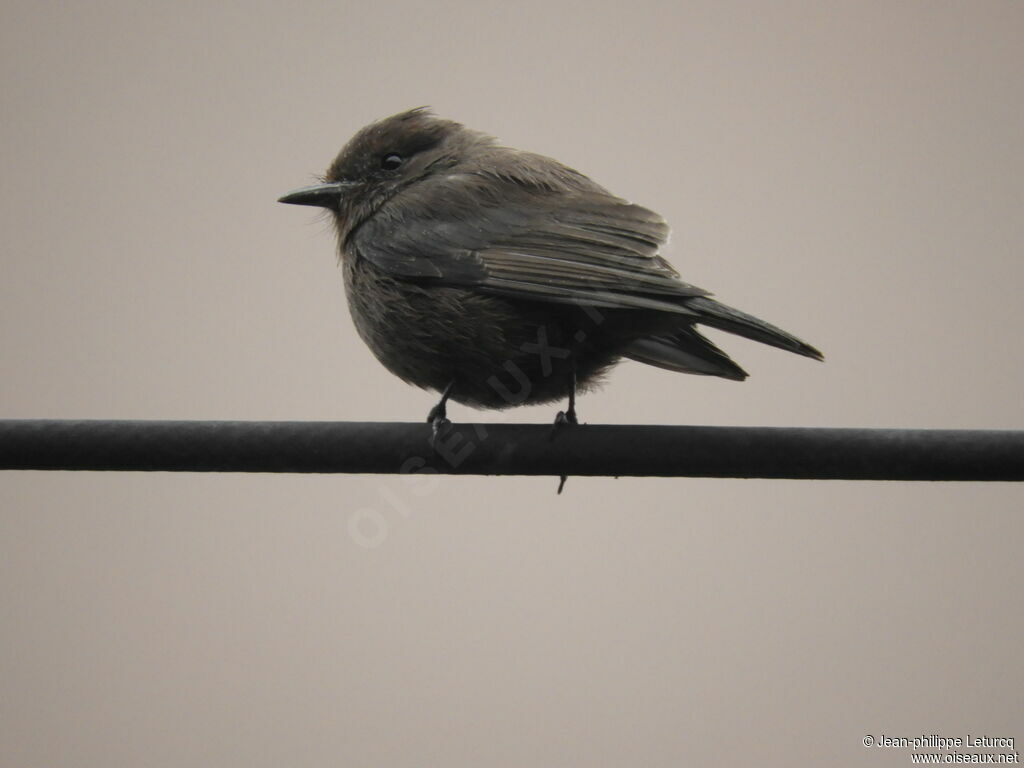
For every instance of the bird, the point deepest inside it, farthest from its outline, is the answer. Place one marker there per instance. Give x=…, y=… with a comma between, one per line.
x=498, y=277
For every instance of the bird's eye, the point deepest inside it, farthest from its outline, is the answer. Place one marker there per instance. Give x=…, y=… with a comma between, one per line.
x=390, y=162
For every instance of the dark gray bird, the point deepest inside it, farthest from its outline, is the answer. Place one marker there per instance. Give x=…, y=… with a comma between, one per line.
x=499, y=277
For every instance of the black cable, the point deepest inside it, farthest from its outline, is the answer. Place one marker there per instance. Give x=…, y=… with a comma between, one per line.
x=513, y=449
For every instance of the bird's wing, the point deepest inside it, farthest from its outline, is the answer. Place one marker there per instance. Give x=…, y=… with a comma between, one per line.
x=499, y=235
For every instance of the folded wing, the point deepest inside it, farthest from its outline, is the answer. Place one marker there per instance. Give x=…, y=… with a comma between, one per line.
x=584, y=247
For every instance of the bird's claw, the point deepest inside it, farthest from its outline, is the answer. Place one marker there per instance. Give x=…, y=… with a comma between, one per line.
x=438, y=417
x=437, y=414
x=562, y=419
x=439, y=426
x=566, y=417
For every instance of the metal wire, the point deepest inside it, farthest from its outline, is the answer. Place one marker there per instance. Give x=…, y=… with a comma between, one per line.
x=513, y=449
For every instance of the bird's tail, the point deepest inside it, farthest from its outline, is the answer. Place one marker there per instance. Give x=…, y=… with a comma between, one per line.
x=688, y=351
x=723, y=317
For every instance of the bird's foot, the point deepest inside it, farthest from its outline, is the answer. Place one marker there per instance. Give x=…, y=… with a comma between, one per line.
x=563, y=419
x=438, y=413
x=438, y=428
x=566, y=417
x=439, y=423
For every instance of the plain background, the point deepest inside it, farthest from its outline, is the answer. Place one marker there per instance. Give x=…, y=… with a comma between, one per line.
x=852, y=171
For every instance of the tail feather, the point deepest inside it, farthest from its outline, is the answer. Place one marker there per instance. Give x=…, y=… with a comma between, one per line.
x=726, y=318
x=687, y=351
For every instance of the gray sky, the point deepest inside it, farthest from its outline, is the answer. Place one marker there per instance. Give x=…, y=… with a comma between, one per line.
x=851, y=171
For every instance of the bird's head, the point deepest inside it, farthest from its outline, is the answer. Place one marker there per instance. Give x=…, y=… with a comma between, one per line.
x=382, y=159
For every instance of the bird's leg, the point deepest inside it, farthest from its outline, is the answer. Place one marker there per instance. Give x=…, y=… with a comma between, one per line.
x=438, y=416
x=567, y=416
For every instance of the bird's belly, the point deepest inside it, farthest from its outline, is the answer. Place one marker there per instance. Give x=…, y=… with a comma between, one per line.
x=499, y=352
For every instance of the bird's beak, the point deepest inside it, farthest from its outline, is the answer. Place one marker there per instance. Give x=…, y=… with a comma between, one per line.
x=323, y=195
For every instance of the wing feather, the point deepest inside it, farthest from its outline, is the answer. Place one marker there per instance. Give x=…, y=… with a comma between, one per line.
x=574, y=246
